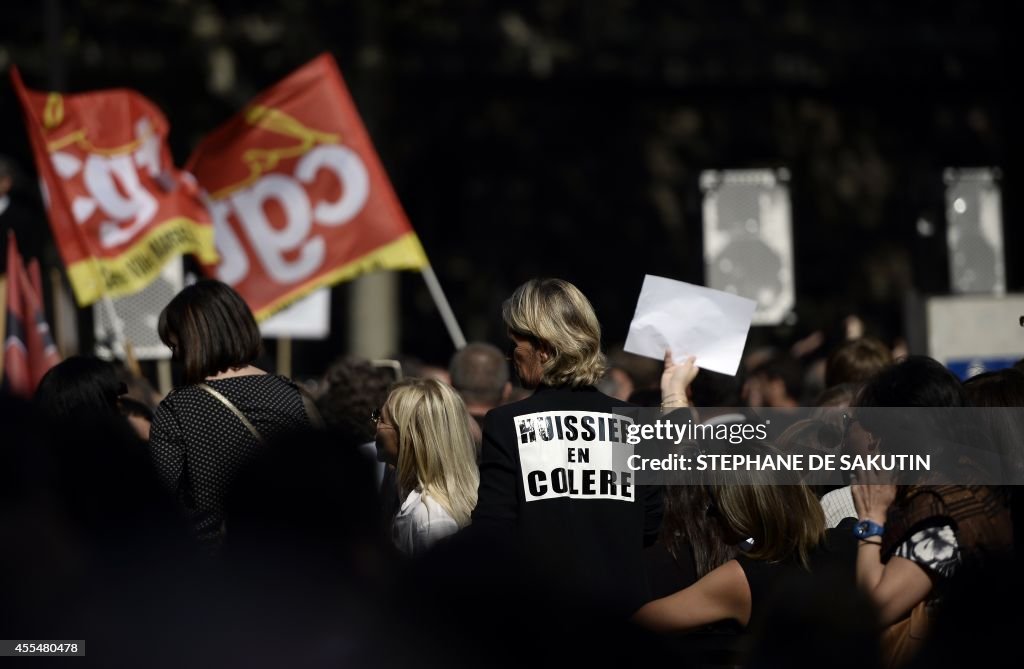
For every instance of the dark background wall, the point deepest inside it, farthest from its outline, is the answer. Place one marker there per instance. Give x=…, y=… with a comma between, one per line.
x=566, y=138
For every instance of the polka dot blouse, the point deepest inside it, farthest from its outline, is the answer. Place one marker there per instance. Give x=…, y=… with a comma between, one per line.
x=198, y=444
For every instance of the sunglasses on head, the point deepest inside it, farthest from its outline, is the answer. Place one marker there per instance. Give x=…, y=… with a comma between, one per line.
x=848, y=421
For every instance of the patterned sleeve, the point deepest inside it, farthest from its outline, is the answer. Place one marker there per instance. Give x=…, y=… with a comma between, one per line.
x=167, y=447
x=934, y=548
x=837, y=505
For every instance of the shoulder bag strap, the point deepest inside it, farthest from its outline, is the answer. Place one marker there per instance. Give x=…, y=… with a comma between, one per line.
x=316, y=419
x=226, y=402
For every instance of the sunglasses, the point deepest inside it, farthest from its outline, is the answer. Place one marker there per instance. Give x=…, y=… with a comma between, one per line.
x=848, y=421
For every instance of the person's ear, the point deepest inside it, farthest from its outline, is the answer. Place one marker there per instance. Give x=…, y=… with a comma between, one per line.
x=476, y=433
x=546, y=351
x=506, y=391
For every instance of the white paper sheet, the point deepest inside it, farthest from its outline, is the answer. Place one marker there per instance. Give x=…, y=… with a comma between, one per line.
x=691, y=320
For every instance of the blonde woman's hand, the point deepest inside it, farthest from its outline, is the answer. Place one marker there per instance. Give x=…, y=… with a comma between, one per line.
x=676, y=378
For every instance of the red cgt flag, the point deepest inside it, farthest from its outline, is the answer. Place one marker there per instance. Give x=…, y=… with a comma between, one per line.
x=29, y=350
x=298, y=196
x=17, y=379
x=42, y=350
x=118, y=208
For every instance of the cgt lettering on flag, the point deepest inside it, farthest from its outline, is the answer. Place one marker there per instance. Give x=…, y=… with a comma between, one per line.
x=291, y=250
x=298, y=197
x=111, y=190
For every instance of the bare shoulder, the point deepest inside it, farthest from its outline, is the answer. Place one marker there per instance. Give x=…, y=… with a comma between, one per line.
x=729, y=584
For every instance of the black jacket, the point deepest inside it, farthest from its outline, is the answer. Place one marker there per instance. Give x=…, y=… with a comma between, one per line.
x=546, y=481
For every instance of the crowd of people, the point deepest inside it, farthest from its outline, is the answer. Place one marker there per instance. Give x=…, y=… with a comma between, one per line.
x=249, y=520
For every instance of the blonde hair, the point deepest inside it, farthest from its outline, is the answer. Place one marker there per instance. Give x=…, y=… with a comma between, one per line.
x=436, y=452
x=554, y=312
x=776, y=510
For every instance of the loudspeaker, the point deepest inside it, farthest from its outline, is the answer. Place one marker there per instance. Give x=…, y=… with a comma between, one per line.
x=974, y=231
x=748, y=239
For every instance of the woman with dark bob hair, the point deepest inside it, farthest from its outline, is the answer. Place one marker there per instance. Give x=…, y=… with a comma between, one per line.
x=549, y=473
x=916, y=540
x=205, y=431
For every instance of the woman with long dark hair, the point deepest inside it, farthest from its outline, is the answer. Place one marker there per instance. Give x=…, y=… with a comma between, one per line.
x=913, y=539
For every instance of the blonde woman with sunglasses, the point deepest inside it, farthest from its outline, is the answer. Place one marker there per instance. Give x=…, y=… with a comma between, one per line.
x=423, y=430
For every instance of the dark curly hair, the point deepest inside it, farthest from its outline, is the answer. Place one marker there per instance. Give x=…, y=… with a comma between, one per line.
x=354, y=389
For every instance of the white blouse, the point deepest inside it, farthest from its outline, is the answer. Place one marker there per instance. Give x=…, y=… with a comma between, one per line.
x=420, y=523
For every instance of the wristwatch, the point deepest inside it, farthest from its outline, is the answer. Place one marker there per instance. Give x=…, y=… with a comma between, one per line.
x=867, y=528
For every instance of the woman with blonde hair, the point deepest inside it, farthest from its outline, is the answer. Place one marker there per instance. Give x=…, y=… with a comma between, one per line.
x=423, y=430
x=550, y=480
x=780, y=526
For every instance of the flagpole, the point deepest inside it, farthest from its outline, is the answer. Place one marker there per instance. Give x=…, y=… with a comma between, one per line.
x=3, y=321
x=163, y=376
x=434, y=286
x=119, y=337
x=284, y=356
